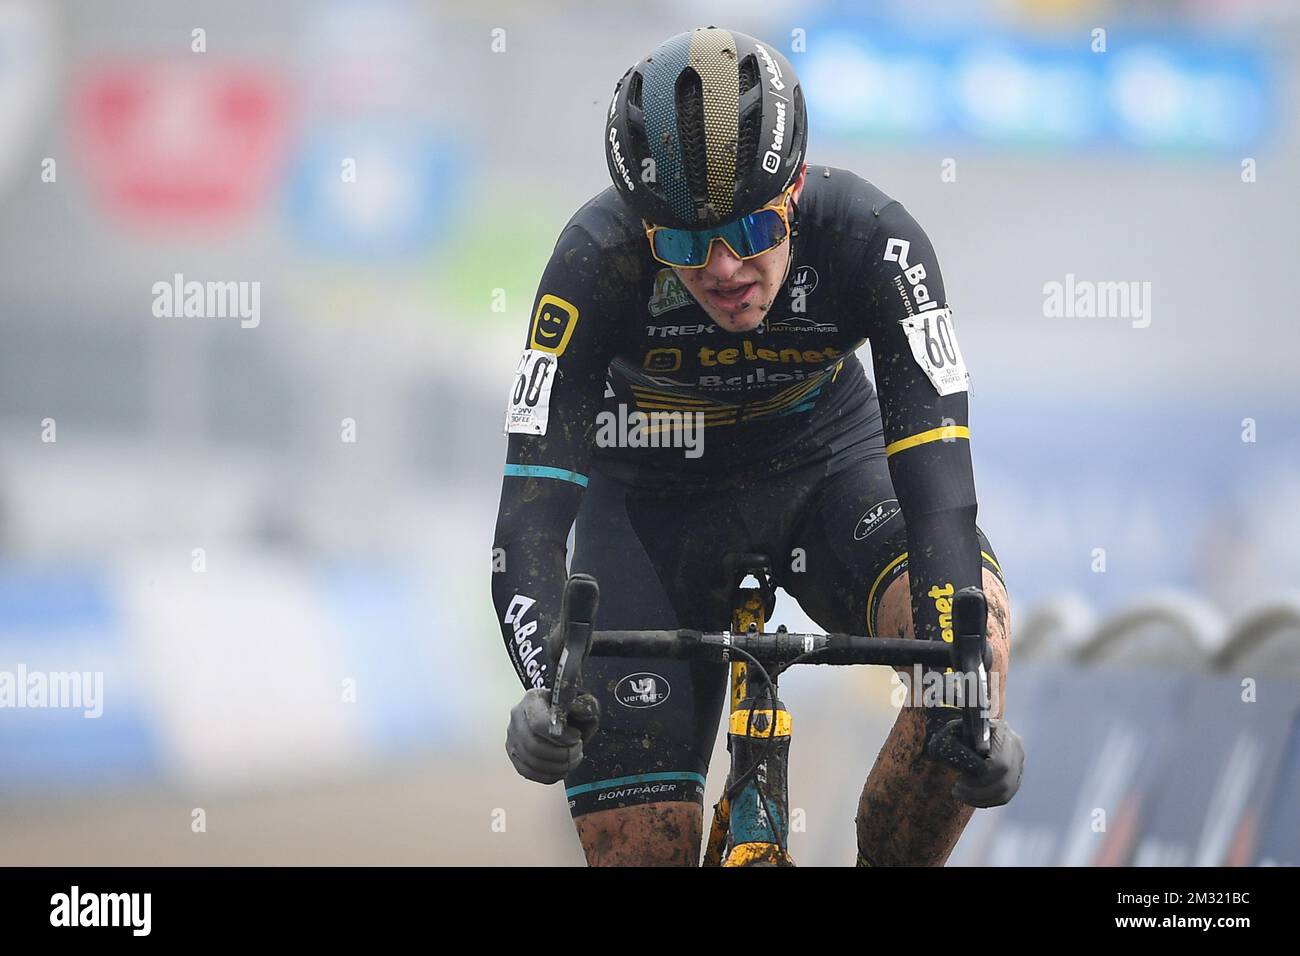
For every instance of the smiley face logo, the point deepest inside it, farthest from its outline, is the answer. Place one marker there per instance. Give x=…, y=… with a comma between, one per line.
x=662, y=360
x=553, y=324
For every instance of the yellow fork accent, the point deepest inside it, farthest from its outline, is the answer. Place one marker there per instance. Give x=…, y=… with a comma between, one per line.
x=717, y=844
x=758, y=854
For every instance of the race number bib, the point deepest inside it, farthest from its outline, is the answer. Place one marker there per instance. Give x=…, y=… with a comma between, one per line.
x=530, y=393
x=934, y=346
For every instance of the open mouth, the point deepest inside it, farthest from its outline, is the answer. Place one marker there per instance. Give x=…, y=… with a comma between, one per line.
x=732, y=299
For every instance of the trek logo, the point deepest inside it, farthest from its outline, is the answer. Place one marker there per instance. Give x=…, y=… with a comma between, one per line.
x=772, y=158
x=773, y=71
x=553, y=324
x=874, y=519
x=75, y=908
x=665, y=331
x=663, y=360
x=618, y=159
x=642, y=690
x=669, y=294
x=525, y=649
x=942, y=597
x=896, y=250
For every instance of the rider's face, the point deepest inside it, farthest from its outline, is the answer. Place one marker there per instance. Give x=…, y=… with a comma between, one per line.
x=737, y=293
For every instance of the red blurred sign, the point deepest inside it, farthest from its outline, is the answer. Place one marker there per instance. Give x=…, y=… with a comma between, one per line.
x=178, y=143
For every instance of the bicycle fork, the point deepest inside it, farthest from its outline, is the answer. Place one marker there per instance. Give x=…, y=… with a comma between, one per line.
x=751, y=823
x=760, y=822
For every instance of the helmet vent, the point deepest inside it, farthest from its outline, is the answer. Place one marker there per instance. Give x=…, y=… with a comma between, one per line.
x=748, y=74
x=690, y=127
x=640, y=149
x=750, y=130
x=796, y=132
x=634, y=90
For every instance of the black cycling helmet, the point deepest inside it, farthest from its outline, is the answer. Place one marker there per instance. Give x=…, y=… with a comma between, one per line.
x=722, y=117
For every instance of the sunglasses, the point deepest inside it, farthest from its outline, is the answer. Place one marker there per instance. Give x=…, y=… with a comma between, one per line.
x=749, y=236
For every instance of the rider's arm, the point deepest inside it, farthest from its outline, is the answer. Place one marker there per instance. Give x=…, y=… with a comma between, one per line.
x=555, y=396
x=922, y=381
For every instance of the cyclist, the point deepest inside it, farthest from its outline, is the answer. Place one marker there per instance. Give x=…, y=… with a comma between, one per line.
x=723, y=280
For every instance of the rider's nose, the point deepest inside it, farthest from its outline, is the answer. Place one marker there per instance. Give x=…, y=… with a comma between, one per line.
x=723, y=263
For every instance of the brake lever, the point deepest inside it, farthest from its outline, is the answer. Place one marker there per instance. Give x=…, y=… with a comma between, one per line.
x=577, y=618
x=971, y=649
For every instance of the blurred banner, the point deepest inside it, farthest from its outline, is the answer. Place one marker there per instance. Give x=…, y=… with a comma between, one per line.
x=28, y=79
x=1141, y=769
x=1143, y=88
x=186, y=143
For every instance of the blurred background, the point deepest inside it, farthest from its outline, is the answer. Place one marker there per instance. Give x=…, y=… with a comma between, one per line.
x=268, y=538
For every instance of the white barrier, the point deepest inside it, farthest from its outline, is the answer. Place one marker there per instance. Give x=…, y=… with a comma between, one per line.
x=1265, y=636
x=1167, y=627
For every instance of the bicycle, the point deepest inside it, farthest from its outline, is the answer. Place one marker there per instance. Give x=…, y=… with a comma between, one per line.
x=750, y=822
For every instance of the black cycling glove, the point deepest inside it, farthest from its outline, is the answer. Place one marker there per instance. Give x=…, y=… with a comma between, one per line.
x=537, y=755
x=985, y=781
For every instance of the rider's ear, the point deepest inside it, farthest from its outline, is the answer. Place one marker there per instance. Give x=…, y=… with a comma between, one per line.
x=799, y=183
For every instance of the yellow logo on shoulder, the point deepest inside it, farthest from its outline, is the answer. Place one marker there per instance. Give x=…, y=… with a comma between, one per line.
x=553, y=324
x=942, y=597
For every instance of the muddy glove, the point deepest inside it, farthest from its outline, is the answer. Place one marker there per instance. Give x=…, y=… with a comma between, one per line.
x=985, y=781
x=534, y=752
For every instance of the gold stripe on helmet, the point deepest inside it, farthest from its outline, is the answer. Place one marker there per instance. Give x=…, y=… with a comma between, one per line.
x=713, y=55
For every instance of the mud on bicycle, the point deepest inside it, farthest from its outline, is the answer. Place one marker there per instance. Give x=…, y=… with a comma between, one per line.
x=750, y=824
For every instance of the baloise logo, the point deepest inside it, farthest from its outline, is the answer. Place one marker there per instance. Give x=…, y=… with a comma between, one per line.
x=618, y=159
x=642, y=690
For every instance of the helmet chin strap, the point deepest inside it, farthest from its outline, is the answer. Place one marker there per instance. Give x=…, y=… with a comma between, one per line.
x=794, y=234
x=789, y=262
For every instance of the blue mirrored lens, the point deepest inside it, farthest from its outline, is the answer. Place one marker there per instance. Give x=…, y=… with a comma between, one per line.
x=748, y=236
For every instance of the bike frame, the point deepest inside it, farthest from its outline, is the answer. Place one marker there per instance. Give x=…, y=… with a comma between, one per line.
x=750, y=823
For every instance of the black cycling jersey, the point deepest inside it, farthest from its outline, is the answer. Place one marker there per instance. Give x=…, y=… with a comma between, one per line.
x=615, y=336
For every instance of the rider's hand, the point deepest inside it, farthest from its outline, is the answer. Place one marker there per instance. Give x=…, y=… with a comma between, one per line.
x=985, y=781
x=534, y=752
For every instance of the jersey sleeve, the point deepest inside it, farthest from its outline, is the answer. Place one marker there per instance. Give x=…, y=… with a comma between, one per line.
x=922, y=383
x=555, y=395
